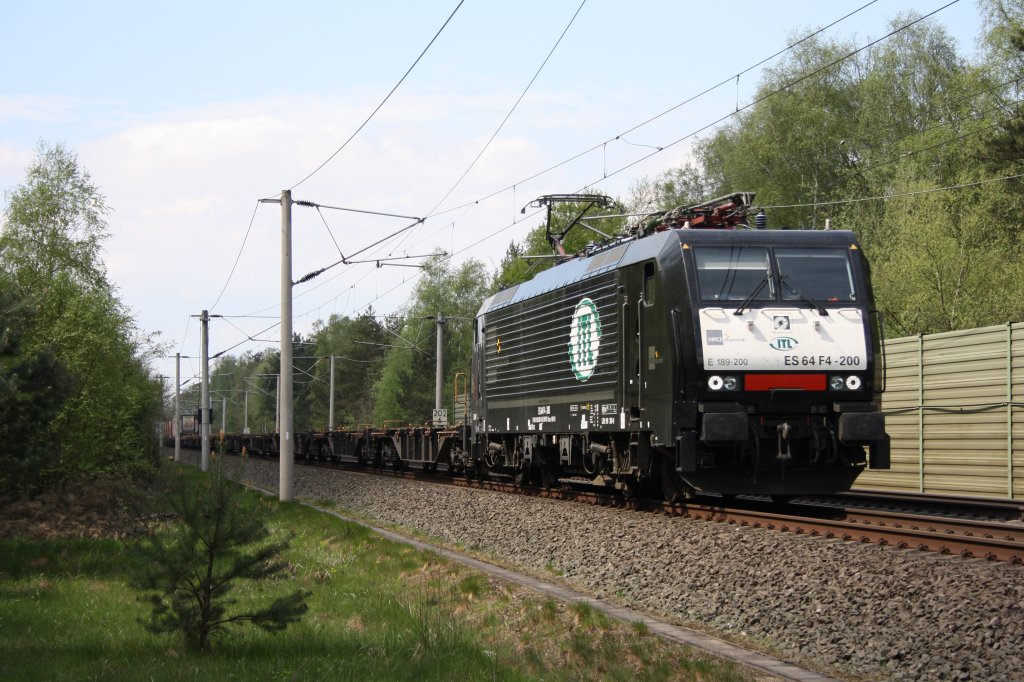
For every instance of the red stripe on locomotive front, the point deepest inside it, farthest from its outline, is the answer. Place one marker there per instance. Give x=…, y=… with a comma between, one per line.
x=766, y=382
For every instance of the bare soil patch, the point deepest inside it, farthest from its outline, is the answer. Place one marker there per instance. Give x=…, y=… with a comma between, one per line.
x=99, y=509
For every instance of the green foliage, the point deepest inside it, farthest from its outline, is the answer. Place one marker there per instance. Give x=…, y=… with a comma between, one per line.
x=1004, y=147
x=788, y=144
x=217, y=538
x=33, y=389
x=836, y=138
x=405, y=391
x=55, y=222
x=360, y=346
x=682, y=186
x=514, y=268
x=108, y=421
x=950, y=265
x=53, y=228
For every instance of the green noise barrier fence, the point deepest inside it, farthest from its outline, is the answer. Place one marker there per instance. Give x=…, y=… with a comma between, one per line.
x=953, y=403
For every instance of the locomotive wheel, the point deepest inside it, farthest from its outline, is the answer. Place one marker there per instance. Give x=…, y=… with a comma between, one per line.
x=522, y=475
x=630, y=488
x=475, y=470
x=673, y=487
x=548, y=476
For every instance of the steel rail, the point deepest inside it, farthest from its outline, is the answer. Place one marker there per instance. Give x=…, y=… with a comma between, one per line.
x=966, y=538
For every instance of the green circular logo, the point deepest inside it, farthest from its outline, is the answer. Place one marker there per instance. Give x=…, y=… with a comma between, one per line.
x=584, y=339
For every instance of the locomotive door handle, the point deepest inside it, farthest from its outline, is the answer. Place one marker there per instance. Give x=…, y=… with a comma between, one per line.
x=624, y=360
x=639, y=356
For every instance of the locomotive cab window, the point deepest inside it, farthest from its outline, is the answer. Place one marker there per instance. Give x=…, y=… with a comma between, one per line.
x=818, y=274
x=734, y=273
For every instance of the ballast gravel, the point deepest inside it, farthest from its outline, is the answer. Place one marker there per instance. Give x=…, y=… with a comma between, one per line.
x=860, y=611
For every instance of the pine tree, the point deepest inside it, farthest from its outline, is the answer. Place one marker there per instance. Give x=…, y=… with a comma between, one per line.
x=215, y=540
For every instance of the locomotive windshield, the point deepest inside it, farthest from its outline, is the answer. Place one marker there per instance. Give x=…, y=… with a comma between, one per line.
x=818, y=274
x=732, y=273
x=753, y=273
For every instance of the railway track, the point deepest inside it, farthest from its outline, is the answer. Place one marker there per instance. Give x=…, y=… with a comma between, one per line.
x=949, y=535
x=983, y=539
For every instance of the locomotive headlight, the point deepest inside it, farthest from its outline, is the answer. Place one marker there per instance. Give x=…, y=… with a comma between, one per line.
x=853, y=382
x=836, y=383
x=730, y=383
x=715, y=382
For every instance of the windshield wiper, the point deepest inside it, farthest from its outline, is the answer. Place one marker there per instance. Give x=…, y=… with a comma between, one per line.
x=806, y=299
x=751, y=295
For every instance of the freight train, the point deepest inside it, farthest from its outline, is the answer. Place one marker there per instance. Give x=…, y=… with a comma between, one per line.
x=693, y=354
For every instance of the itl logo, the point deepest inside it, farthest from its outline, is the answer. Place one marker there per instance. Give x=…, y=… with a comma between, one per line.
x=783, y=343
x=584, y=339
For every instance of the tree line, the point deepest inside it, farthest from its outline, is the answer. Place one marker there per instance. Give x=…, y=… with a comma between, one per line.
x=384, y=365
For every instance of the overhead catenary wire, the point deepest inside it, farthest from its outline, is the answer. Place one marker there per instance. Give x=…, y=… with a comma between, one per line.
x=657, y=149
x=897, y=195
x=510, y=111
x=772, y=93
x=693, y=133
x=662, y=114
x=328, y=227
x=433, y=212
x=475, y=160
x=343, y=259
x=663, y=148
x=237, y=257
x=469, y=205
x=886, y=197
x=383, y=101
x=754, y=102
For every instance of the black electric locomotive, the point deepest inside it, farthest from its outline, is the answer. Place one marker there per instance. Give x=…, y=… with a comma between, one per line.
x=695, y=355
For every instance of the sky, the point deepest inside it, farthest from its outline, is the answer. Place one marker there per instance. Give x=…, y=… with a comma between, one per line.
x=186, y=114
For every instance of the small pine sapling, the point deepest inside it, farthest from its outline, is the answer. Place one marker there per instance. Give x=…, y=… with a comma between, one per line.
x=217, y=537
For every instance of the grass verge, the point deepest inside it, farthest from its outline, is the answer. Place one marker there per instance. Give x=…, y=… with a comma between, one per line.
x=378, y=611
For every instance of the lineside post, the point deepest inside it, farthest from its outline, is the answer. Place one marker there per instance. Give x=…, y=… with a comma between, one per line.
x=330, y=411
x=177, y=407
x=287, y=447
x=439, y=379
x=204, y=407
